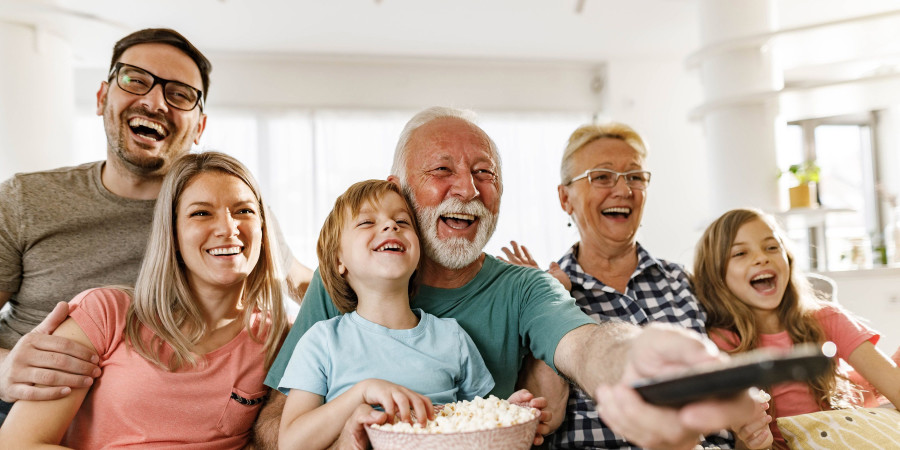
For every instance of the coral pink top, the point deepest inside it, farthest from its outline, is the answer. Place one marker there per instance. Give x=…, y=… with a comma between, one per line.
x=795, y=398
x=134, y=402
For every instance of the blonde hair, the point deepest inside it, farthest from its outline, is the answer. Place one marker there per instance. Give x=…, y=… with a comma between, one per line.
x=586, y=134
x=724, y=310
x=163, y=301
x=328, y=248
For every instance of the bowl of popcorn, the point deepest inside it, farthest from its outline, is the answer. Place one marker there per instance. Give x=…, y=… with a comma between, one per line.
x=477, y=424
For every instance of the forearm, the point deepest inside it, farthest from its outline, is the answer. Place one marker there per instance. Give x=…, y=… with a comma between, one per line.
x=319, y=427
x=298, y=279
x=592, y=355
x=40, y=424
x=265, y=429
x=539, y=379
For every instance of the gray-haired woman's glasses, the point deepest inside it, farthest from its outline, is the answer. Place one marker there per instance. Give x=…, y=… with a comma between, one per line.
x=137, y=81
x=605, y=178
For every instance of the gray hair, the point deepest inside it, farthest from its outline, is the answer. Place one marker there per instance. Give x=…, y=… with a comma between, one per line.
x=401, y=153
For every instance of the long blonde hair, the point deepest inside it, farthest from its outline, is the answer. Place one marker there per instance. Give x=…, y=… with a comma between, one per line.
x=724, y=310
x=163, y=301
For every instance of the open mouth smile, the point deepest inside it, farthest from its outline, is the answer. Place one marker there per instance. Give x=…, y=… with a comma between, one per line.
x=148, y=129
x=392, y=247
x=764, y=282
x=225, y=251
x=458, y=221
x=617, y=211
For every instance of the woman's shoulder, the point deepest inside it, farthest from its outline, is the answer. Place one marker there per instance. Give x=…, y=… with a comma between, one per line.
x=111, y=298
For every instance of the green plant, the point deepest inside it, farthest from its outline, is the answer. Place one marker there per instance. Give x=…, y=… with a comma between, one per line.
x=805, y=172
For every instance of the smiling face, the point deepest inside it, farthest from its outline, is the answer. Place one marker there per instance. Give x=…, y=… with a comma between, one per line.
x=219, y=231
x=379, y=248
x=758, y=271
x=144, y=134
x=605, y=216
x=452, y=179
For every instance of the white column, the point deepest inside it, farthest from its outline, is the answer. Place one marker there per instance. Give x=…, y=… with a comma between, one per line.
x=37, y=104
x=740, y=115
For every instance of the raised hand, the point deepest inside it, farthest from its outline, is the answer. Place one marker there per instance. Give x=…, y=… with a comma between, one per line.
x=520, y=256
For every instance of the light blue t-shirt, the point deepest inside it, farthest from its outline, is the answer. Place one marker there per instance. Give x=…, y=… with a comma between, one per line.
x=436, y=359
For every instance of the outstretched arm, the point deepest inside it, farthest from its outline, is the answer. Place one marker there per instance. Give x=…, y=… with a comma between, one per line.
x=42, y=366
x=878, y=369
x=32, y=423
x=607, y=359
x=308, y=422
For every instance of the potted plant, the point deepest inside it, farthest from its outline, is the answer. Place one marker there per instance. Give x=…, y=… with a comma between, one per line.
x=804, y=194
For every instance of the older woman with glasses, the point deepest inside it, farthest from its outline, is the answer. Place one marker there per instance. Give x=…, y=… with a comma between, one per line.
x=604, y=186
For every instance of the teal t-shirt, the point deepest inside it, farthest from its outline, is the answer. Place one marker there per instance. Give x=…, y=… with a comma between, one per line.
x=436, y=358
x=507, y=310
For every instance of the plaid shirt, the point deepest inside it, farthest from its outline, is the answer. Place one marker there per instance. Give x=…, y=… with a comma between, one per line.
x=658, y=291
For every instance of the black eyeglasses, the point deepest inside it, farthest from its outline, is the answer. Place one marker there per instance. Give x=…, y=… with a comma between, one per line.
x=137, y=81
x=605, y=178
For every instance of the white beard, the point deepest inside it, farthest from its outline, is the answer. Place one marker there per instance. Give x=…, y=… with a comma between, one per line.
x=457, y=252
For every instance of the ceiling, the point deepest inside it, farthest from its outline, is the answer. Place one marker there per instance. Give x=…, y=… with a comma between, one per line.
x=570, y=30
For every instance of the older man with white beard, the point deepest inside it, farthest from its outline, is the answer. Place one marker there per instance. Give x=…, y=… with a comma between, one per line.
x=450, y=169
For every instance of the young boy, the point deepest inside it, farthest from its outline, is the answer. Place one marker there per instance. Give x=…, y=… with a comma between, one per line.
x=379, y=352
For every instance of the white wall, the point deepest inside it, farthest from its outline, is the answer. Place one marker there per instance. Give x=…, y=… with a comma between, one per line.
x=654, y=96
x=873, y=295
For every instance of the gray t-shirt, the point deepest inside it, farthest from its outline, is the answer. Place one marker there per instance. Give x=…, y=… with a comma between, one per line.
x=62, y=232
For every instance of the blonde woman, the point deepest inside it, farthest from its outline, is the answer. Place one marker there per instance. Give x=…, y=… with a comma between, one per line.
x=184, y=353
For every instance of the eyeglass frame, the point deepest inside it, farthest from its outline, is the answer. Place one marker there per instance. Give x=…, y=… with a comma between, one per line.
x=114, y=73
x=587, y=174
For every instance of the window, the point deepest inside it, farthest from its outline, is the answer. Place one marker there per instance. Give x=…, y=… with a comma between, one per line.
x=846, y=232
x=304, y=159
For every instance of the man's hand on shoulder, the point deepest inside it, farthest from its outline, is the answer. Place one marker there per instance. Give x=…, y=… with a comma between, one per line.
x=45, y=367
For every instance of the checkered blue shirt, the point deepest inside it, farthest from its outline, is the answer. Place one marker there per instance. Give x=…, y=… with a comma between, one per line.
x=658, y=291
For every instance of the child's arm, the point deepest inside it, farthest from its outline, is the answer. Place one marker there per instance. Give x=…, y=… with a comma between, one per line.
x=308, y=423
x=754, y=433
x=878, y=369
x=42, y=424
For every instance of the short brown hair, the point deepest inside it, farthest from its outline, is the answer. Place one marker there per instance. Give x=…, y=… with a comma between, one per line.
x=346, y=207
x=169, y=37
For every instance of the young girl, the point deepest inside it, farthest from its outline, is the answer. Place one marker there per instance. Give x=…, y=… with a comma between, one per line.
x=368, y=252
x=184, y=353
x=754, y=297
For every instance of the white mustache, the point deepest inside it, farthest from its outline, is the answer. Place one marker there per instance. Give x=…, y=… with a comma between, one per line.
x=455, y=205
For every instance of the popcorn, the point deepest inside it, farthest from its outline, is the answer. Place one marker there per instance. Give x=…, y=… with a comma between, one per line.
x=478, y=414
x=759, y=395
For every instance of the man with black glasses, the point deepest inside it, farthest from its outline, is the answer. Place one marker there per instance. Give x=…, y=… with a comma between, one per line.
x=66, y=230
